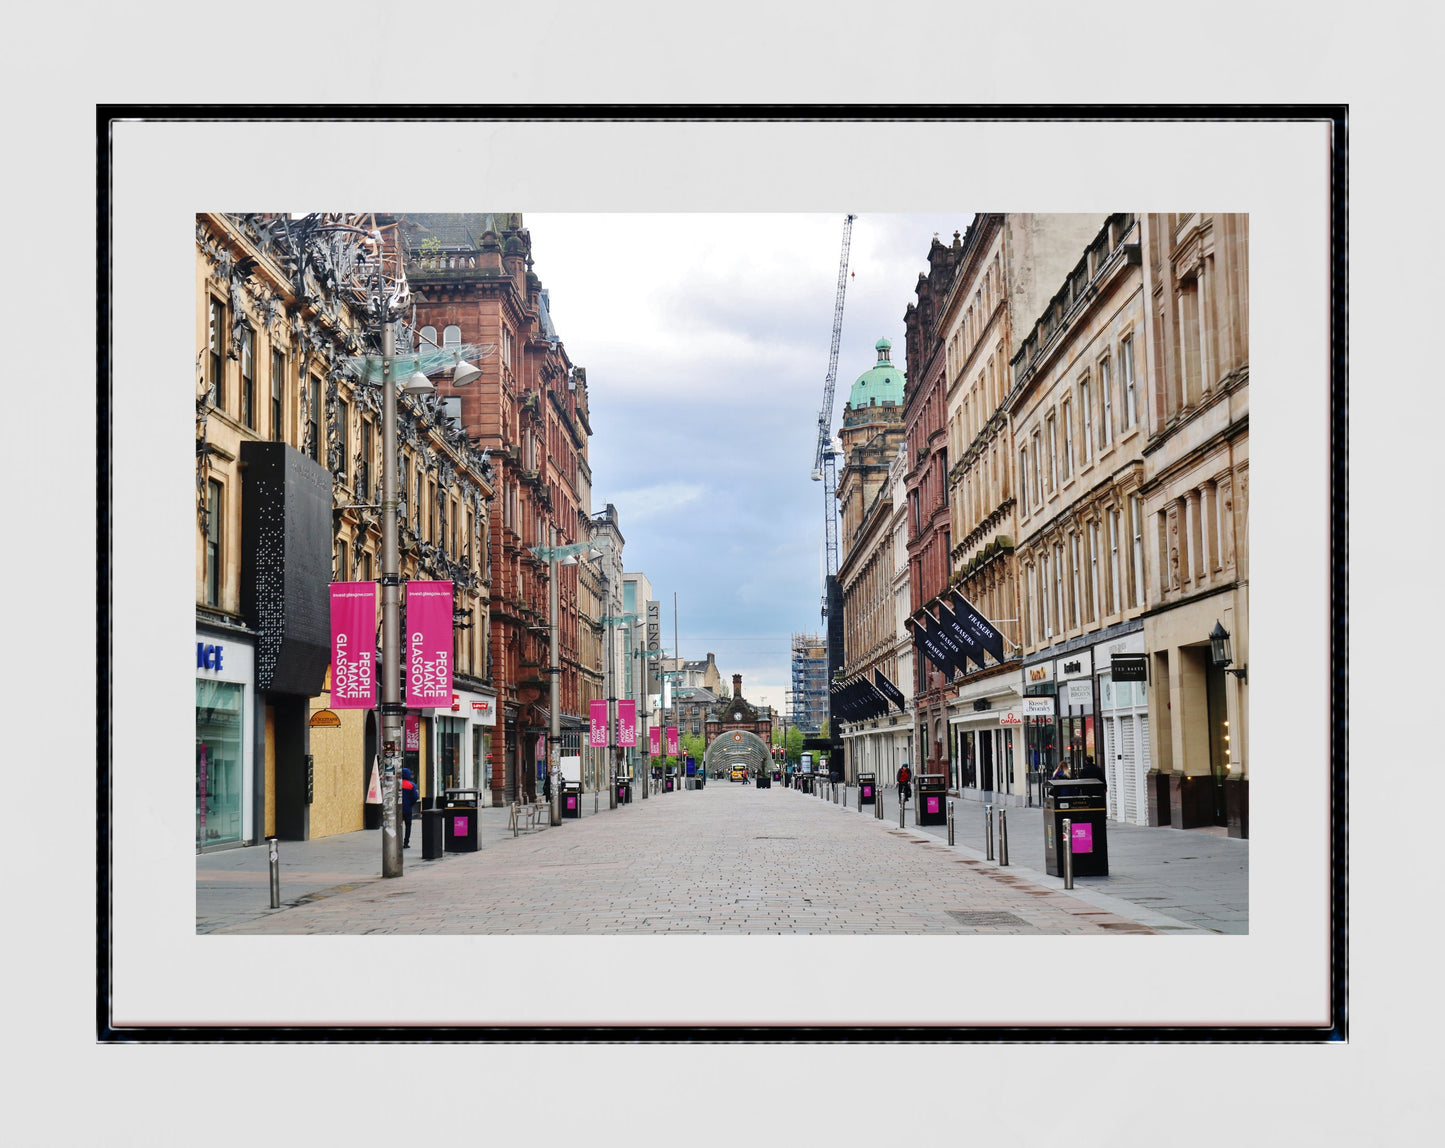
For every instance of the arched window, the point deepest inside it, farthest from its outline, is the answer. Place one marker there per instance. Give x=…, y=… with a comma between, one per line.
x=452, y=336
x=429, y=336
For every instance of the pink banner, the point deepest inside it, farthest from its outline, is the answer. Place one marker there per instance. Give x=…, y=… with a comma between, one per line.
x=672, y=740
x=353, y=645
x=626, y=723
x=428, y=644
x=654, y=740
x=597, y=713
x=412, y=744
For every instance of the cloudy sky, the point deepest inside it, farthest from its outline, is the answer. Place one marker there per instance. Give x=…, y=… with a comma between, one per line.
x=706, y=340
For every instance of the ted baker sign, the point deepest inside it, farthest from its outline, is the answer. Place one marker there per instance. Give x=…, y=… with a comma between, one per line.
x=428, y=644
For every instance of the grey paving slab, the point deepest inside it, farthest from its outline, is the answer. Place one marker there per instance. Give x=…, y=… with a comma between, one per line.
x=728, y=858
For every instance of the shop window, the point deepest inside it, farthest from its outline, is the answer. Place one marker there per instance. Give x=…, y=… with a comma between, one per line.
x=219, y=761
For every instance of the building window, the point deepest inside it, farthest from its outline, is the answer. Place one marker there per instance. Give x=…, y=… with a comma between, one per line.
x=1067, y=414
x=1112, y=596
x=313, y=419
x=1045, y=590
x=215, y=352
x=1053, y=456
x=452, y=336
x=278, y=395
x=1038, y=483
x=366, y=572
x=1126, y=367
x=214, y=510
x=1086, y=417
x=1024, y=478
x=1190, y=358
x=1106, y=404
x=363, y=469
x=1136, y=549
x=342, y=571
x=429, y=336
x=1076, y=596
x=248, y=376
x=343, y=438
x=1095, y=593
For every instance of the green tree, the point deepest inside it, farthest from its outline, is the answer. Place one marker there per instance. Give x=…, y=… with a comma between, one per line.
x=793, y=744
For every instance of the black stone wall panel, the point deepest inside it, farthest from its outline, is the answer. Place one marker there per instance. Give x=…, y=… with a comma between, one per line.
x=286, y=566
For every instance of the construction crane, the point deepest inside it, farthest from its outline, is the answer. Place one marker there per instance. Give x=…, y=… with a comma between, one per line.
x=824, y=470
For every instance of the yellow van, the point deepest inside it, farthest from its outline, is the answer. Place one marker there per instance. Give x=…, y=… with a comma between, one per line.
x=739, y=773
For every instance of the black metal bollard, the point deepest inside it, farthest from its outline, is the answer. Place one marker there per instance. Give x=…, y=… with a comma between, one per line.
x=950, y=823
x=1002, y=836
x=275, y=858
x=988, y=832
x=1068, y=845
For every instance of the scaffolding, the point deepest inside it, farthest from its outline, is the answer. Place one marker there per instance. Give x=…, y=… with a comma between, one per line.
x=810, y=682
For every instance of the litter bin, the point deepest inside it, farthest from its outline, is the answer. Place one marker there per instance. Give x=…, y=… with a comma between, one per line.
x=805, y=782
x=932, y=807
x=433, y=819
x=868, y=788
x=459, y=815
x=667, y=784
x=1081, y=800
x=624, y=790
x=571, y=799
x=764, y=779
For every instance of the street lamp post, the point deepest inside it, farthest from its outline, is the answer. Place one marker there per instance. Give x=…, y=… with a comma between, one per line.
x=554, y=556
x=392, y=711
x=554, y=731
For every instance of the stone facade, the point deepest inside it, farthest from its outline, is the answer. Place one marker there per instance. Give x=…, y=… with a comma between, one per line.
x=1195, y=493
x=275, y=327
x=1078, y=424
x=871, y=435
x=473, y=274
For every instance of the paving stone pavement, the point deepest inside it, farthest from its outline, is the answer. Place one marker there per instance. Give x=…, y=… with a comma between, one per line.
x=729, y=859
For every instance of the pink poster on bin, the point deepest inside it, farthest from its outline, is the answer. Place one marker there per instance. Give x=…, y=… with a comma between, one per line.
x=429, y=645
x=654, y=740
x=626, y=723
x=353, y=645
x=672, y=740
x=597, y=714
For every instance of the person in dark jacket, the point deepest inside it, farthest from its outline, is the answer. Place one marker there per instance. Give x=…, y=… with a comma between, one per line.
x=408, y=803
x=1091, y=770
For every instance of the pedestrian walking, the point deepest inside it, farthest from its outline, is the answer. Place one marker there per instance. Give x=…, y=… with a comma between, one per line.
x=1061, y=773
x=408, y=803
x=1091, y=770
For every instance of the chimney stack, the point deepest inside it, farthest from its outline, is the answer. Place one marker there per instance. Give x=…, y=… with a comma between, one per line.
x=737, y=685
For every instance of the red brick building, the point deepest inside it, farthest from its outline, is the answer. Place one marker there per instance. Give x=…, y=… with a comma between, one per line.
x=474, y=283
x=925, y=408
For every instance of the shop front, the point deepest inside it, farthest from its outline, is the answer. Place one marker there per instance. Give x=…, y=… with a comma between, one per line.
x=989, y=759
x=1121, y=669
x=225, y=720
x=466, y=755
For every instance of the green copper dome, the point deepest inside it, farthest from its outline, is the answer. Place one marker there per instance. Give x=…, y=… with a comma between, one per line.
x=882, y=383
